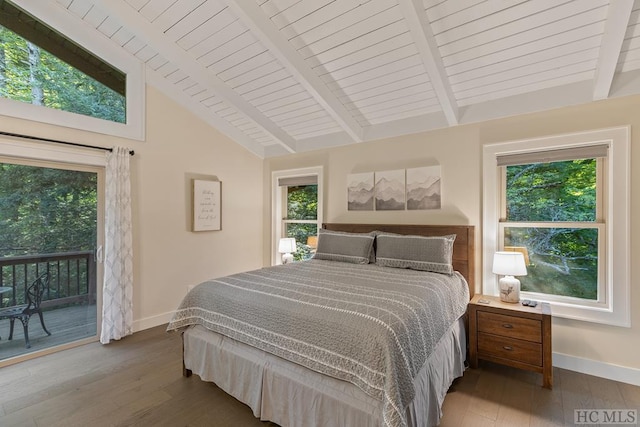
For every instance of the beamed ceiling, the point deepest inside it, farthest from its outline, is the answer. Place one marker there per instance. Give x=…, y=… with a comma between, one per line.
x=286, y=76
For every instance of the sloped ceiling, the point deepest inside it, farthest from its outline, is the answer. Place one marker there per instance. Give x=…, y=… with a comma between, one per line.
x=285, y=76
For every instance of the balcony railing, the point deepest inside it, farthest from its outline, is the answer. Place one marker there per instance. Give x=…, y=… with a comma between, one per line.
x=73, y=278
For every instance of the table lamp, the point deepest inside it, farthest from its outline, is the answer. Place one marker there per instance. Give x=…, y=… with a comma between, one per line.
x=285, y=247
x=312, y=242
x=509, y=264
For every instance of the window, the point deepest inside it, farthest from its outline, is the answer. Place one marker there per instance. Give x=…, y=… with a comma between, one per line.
x=46, y=76
x=297, y=210
x=33, y=75
x=550, y=211
x=563, y=201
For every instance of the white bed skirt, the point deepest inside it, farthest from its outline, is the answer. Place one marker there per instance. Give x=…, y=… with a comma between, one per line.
x=294, y=396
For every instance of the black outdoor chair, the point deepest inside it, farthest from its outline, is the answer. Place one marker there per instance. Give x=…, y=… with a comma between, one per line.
x=24, y=312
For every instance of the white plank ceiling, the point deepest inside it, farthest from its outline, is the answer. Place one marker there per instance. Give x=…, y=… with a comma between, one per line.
x=285, y=76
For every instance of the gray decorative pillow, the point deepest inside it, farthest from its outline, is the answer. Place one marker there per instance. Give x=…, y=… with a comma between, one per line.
x=355, y=248
x=415, y=252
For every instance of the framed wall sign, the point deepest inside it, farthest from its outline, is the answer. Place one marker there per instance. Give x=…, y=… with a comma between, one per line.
x=206, y=205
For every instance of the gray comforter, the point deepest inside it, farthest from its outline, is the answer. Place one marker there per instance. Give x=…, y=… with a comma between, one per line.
x=372, y=326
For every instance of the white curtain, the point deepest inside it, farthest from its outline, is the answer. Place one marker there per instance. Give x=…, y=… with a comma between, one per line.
x=117, y=293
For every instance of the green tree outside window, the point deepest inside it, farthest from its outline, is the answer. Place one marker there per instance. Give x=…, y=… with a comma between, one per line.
x=302, y=205
x=563, y=259
x=32, y=75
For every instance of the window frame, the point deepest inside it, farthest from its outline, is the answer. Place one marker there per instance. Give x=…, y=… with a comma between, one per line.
x=613, y=306
x=59, y=18
x=279, y=201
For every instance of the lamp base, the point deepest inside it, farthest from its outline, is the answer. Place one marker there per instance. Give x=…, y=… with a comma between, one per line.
x=287, y=258
x=510, y=289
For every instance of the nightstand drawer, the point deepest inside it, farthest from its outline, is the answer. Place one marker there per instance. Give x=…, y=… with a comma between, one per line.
x=509, y=348
x=510, y=326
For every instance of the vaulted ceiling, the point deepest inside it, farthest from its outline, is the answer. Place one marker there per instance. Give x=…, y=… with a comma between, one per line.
x=285, y=76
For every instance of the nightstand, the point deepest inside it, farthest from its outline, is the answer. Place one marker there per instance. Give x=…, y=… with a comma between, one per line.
x=511, y=334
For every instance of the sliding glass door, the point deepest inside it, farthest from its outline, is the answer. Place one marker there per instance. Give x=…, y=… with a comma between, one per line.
x=50, y=227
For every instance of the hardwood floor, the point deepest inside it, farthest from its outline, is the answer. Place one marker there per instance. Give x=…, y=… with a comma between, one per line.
x=138, y=382
x=494, y=395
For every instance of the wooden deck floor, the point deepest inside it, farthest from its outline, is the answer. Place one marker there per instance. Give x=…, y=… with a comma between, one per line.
x=65, y=324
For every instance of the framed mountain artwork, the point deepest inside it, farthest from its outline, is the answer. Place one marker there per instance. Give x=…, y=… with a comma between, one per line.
x=423, y=188
x=390, y=190
x=360, y=192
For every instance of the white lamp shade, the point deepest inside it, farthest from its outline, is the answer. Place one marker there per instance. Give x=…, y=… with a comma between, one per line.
x=312, y=241
x=509, y=264
x=287, y=245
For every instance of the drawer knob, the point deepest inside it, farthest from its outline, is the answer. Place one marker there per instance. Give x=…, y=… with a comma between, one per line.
x=507, y=347
x=507, y=325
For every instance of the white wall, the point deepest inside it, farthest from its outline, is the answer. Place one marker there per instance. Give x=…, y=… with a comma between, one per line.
x=167, y=255
x=602, y=350
x=180, y=147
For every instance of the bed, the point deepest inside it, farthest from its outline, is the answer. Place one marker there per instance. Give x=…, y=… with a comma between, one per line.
x=345, y=338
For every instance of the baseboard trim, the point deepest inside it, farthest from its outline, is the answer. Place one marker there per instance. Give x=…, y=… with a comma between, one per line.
x=599, y=369
x=153, y=321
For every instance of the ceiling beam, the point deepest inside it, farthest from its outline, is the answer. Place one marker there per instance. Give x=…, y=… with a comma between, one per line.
x=614, y=30
x=416, y=18
x=252, y=16
x=157, y=40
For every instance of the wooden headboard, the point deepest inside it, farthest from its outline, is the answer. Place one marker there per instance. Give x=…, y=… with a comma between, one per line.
x=463, y=247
